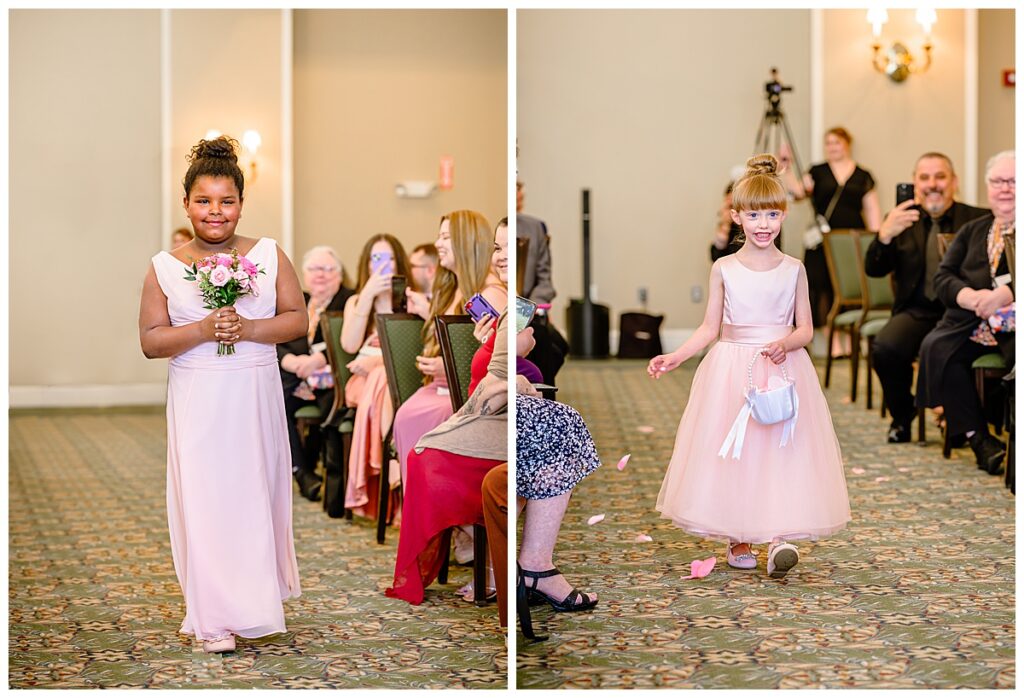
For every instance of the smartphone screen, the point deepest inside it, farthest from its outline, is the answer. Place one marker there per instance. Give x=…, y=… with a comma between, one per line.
x=524, y=313
x=398, y=299
x=904, y=192
x=477, y=307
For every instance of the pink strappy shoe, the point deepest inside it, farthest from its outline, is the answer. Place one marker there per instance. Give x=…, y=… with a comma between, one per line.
x=745, y=561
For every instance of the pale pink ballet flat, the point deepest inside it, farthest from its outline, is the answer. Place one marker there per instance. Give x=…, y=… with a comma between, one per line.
x=746, y=561
x=220, y=644
x=782, y=557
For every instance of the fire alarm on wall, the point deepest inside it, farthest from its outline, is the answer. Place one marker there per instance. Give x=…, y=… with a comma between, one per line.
x=1010, y=77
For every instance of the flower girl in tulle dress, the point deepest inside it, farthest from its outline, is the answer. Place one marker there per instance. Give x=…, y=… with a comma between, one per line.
x=742, y=471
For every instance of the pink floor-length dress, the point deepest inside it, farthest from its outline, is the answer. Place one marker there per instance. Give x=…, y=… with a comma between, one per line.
x=796, y=491
x=229, y=494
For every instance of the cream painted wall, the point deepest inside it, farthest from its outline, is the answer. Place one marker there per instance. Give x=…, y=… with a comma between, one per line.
x=380, y=96
x=893, y=123
x=86, y=185
x=84, y=194
x=996, y=114
x=226, y=75
x=650, y=110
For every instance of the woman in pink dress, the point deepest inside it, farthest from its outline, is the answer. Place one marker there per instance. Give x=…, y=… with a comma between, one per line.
x=367, y=390
x=742, y=482
x=229, y=494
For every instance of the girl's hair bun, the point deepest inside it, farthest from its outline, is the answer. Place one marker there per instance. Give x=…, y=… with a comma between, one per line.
x=763, y=164
x=221, y=148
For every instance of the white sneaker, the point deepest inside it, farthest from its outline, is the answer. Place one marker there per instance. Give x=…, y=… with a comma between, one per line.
x=782, y=557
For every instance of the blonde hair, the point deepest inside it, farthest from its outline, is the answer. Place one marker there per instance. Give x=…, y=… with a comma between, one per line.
x=472, y=247
x=760, y=187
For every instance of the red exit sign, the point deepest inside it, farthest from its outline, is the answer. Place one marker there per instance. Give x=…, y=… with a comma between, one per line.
x=1010, y=78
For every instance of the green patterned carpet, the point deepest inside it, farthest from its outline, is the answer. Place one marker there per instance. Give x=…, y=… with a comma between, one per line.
x=94, y=601
x=917, y=592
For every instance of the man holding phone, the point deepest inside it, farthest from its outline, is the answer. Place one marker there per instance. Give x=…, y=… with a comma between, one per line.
x=907, y=247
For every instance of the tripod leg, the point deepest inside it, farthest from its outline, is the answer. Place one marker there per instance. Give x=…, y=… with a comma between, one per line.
x=799, y=171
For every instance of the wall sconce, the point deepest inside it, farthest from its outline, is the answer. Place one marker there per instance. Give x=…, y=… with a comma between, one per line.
x=251, y=142
x=897, y=62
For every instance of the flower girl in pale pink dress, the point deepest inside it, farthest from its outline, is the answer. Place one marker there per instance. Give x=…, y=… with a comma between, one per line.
x=744, y=478
x=229, y=491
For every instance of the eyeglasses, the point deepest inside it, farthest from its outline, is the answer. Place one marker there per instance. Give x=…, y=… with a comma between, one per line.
x=999, y=182
x=323, y=268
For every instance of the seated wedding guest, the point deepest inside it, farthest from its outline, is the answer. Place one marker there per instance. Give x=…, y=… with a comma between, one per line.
x=425, y=488
x=423, y=262
x=973, y=282
x=907, y=246
x=465, y=245
x=305, y=374
x=445, y=474
x=382, y=257
x=181, y=236
x=554, y=452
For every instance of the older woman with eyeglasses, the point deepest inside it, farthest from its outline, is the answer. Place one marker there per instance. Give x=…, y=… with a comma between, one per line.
x=305, y=373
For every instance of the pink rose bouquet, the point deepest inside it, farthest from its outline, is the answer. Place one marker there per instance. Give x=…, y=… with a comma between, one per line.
x=223, y=279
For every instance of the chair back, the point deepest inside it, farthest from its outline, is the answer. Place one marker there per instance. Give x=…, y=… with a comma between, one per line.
x=876, y=291
x=401, y=341
x=845, y=267
x=338, y=358
x=522, y=248
x=458, y=345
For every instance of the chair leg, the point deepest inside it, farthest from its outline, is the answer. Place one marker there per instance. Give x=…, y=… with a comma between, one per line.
x=479, y=565
x=346, y=450
x=854, y=363
x=870, y=372
x=947, y=442
x=446, y=552
x=828, y=353
x=384, y=500
x=920, y=425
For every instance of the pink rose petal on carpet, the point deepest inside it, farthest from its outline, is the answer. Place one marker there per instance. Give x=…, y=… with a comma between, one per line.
x=623, y=461
x=904, y=470
x=701, y=568
x=597, y=518
x=857, y=471
x=645, y=429
x=643, y=538
x=881, y=478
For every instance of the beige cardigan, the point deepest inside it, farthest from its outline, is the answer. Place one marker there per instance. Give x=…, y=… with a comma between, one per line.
x=469, y=433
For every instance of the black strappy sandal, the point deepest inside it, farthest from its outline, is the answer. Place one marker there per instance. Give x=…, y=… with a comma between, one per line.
x=567, y=605
x=523, y=608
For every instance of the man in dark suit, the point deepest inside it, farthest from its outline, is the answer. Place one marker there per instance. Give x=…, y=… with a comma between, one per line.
x=302, y=357
x=907, y=247
x=550, y=350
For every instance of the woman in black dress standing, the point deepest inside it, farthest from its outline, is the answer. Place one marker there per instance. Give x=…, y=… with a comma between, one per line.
x=844, y=193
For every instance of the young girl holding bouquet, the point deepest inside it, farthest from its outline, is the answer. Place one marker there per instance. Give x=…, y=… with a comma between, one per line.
x=732, y=478
x=228, y=461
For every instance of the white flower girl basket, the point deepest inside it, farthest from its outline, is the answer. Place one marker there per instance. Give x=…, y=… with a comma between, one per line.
x=776, y=403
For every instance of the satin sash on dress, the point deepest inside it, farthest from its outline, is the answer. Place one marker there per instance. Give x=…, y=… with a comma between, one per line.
x=754, y=334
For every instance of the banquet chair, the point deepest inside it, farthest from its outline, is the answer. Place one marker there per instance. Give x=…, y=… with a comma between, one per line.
x=339, y=422
x=458, y=345
x=401, y=341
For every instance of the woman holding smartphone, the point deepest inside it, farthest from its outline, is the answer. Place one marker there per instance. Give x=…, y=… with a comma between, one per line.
x=382, y=258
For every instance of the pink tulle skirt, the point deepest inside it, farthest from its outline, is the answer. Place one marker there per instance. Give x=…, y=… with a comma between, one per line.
x=796, y=491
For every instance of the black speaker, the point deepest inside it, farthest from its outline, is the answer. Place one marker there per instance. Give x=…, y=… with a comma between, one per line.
x=588, y=324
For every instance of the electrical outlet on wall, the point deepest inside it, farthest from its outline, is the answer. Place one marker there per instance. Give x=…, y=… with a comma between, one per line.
x=641, y=295
x=696, y=293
